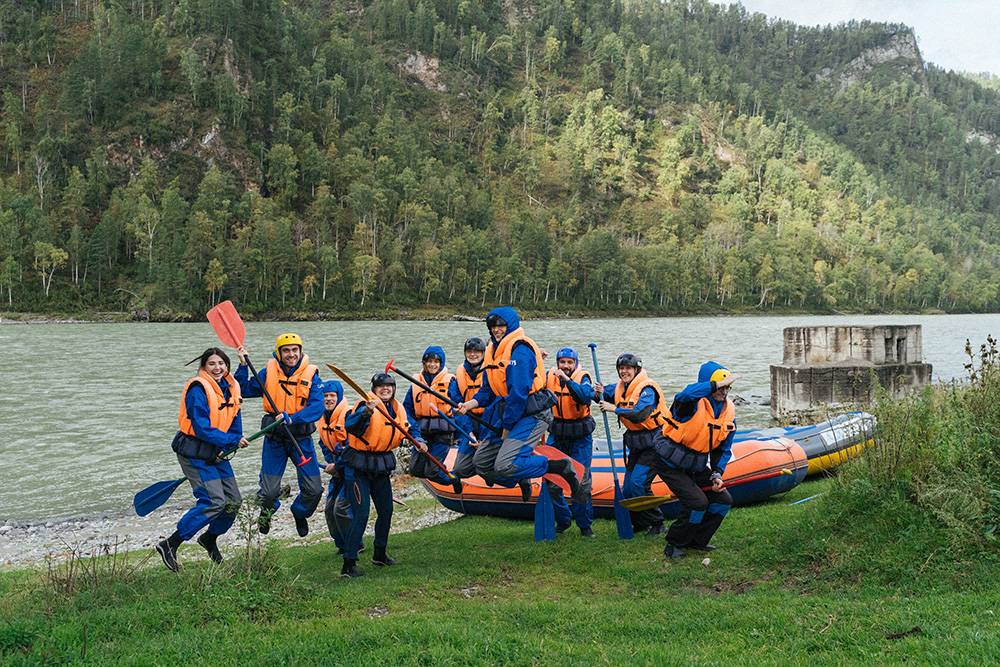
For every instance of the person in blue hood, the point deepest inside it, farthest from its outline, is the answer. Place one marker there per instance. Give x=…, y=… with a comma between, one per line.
x=294, y=384
x=515, y=375
x=333, y=437
x=422, y=408
x=693, y=449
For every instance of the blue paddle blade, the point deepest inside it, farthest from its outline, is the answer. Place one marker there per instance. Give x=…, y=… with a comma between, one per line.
x=623, y=520
x=155, y=495
x=545, y=516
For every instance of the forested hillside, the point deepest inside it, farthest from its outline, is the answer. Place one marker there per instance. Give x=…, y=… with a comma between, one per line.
x=160, y=155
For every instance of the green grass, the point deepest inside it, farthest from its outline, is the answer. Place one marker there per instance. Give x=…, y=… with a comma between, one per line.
x=478, y=590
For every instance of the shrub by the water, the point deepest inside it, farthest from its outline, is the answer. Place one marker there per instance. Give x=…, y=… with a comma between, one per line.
x=926, y=496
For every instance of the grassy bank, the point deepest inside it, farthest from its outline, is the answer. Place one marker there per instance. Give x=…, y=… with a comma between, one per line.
x=478, y=590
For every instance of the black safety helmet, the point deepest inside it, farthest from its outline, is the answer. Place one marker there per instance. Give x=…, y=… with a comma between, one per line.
x=475, y=343
x=628, y=359
x=494, y=320
x=383, y=379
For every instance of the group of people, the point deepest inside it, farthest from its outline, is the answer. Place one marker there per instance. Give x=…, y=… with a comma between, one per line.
x=496, y=408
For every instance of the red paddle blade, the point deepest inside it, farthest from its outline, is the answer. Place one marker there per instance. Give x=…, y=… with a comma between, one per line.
x=228, y=324
x=389, y=366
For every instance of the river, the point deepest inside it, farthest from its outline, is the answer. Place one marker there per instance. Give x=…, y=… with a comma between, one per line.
x=96, y=425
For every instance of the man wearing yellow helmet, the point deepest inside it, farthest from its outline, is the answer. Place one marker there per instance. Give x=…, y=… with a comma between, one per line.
x=692, y=450
x=297, y=390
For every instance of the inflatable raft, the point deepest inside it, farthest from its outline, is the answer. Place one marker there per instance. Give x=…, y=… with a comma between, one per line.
x=826, y=444
x=758, y=470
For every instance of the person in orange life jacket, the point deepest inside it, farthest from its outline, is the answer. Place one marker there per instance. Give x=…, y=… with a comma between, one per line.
x=295, y=386
x=515, y=374
x=210, y=423
x=637, y=401
x=368, y=460
x=419, y=405
x=470, y=378
x=693, y=449
x=333, y=437
x=571, y=432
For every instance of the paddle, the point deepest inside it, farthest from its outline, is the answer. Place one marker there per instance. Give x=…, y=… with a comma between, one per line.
x=640, y=503
x=229, y=328
x=623, y=520
x=545, y=516
x=154, y=495
x=391, y=367
x=385, y=413
x=454, y=423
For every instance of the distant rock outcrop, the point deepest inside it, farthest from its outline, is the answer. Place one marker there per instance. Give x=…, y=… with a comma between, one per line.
x=899, y=50
x=424, y=68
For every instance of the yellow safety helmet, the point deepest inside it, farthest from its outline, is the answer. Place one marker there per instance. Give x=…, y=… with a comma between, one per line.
x=287, y=339
x=720, y=374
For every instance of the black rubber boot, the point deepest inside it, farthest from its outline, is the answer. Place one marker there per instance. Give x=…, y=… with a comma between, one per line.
x=586, y=532
x=381, y=558
x=301, y=526
x=208, y=543
x=525, y=485
x=168, y=551
x=350, y=569
x=670, y=551
x=456, y=485
x=264, y=522
x=564, y=468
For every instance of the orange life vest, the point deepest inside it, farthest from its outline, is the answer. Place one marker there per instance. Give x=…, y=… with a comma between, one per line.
x=332, y=433
x=497, y=359
x=468, y=387
x=221, y=412
x=703, y=432
x=290, y=394
x=629, y=400
x=423, y=400
x=381, y=434
x=567, y=408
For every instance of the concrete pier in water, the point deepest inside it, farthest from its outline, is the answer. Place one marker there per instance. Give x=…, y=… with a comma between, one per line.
x=836, y=366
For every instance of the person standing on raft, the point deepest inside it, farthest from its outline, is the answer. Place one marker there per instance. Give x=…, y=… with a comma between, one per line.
x=296, y=388
x=515, y=374
x=368, y=461
x=333, y=436
x=422, y=409
x=693, y=449
x=570, y=433
x=209, y=423
x=469, y=378
x=637, y=401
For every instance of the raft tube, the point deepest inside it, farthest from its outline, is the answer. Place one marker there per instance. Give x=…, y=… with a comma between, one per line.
x=826, y=444
x=751, y=459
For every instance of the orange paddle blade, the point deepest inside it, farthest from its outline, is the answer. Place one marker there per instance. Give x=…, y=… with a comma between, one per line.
x=228, y=324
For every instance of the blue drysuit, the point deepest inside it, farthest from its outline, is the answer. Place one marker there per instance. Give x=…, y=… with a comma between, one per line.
x=581, y=449
x=639, y=466
x=213, y=484
x=513, y=458
x=275, y=453
x=436, y=431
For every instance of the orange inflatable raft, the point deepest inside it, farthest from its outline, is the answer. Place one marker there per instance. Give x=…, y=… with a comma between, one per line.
x=758, y=470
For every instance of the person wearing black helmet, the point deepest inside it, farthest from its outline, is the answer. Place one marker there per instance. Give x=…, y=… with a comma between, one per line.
x=368, y=461
x=637, y=401
x=469, y=379
x=424, y=409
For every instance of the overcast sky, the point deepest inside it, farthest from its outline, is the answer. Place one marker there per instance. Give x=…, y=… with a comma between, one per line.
x=954, y=34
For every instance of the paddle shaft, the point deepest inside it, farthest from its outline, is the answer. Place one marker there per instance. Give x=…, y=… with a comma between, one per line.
x=451, y=421
x=274, y=406
x=391, y=367
x=385, y=413
x=607, y=426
